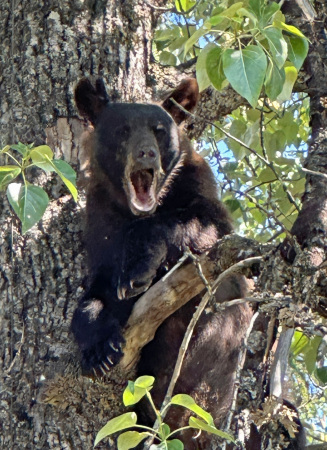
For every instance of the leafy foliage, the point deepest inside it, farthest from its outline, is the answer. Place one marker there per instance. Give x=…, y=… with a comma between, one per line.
x=27, y=200
x=133, y=393
x=247, y=44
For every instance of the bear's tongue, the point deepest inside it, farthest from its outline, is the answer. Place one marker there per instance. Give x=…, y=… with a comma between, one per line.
x=142, y=181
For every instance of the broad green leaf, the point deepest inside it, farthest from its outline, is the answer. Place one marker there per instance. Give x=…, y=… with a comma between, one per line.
x=145, y=382
x=200, y=425
x=167, y=58
x=290, y=78
x=274, y=142
x=67, y=174
x=299, y=342
x=245, y=70
x=266, y=175
x=185, y=4
x=40, y=157
x=237, y=129
x=130, y=439
x=321, y=374
x=268, y=12
x=297, y=50
x=227, y=13
x=195, y=37
x=214, y=67
x=130, y=397
x=29, y=203
x=201, y=67
x=246, y=13
x=277, y=45
x=188, y=402
x=175, y=444
x=310, y=353
x=232, y=204
x=8, y=174
x=275, y=80
x=167, y=35
x=21, y=148
x=290, y=28
x=119, y=423
x=135, y=391
x=165, y=430
x=257, y=7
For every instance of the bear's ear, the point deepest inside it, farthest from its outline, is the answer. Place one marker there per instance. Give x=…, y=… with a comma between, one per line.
x=90, y=100
x=187, y=95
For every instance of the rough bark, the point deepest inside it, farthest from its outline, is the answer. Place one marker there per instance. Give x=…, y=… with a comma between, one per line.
x=45, y=48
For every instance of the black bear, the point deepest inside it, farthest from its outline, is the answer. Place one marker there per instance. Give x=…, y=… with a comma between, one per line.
x=150, y=197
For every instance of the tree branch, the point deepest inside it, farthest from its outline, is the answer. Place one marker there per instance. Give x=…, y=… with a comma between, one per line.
x=177, y=288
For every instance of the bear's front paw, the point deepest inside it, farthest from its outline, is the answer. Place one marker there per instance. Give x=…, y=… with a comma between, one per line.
x=102, y=356
x=128, y=287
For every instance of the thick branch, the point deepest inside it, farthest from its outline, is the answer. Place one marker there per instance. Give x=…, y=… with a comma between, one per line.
x=176, y=289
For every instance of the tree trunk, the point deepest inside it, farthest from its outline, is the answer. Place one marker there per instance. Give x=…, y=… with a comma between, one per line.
x=46, y=49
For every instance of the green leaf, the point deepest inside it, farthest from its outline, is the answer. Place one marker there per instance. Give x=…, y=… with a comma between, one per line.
x=214, y=67
x=237, y=129
x=8, y=174
x=167, y=35
x=245, y=70
x=40, y=157
x=165, y=430
x=268, y=12
x=290, y=78
x=119, y=423
x=167, y=58
x=185, y=4
x=257, y=7
x=66, y=173
x=310, y=353
x=130, y=439
x=135, y=391
x=275, y=80
x=277, y=45
x=299, y=343
x=175, y=444
x=201, y=67
x=21, y=148
x=29, y=203
x=274, y=142
x=195, y=37
x=297, y=50
x=290, y=28
x=188, y=402
x=200, y=425
x=321, y=373
x=145, y=382
x=266, y=176
x=226, y=14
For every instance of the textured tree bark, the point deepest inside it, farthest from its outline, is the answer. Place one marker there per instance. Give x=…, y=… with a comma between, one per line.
x=45, y=48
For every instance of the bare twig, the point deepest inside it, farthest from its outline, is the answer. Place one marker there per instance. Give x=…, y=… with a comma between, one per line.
x=313, y=172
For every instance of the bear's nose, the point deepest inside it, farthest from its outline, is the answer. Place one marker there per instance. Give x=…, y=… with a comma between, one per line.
x=149, y=154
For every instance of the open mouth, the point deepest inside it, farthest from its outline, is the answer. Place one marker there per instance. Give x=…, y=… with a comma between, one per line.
x=142, y=188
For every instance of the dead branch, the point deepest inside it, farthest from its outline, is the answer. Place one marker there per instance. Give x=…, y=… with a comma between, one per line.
x=176, y=289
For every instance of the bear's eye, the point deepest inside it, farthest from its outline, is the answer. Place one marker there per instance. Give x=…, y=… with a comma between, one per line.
x=159, y=129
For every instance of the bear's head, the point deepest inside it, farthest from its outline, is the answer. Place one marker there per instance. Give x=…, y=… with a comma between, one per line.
x=137, y=146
